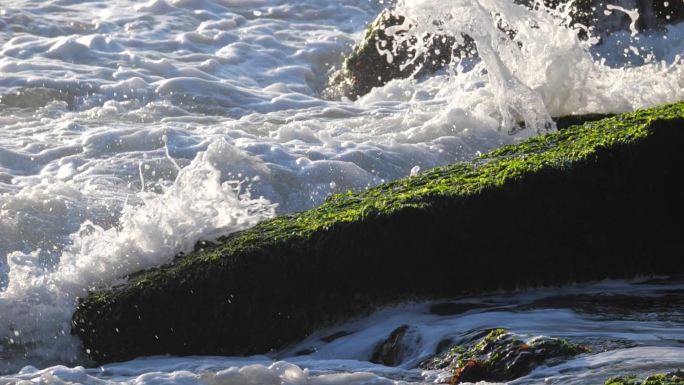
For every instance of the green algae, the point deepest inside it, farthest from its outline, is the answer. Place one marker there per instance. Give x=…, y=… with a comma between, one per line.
x=492, y=170
x=587, y=202
x=501, y=356
x=673, y=378
x=554, y=151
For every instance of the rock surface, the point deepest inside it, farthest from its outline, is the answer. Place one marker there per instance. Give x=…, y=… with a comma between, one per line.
x=589, y=202
x=501, y=356
x=673, y=378
x=389, y=352
x=381, y=56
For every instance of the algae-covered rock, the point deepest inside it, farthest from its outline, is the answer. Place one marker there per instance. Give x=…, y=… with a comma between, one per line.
x=381, y=56
x=502, y=356
x=384, y=54
x=589, y=202
x=673, y=378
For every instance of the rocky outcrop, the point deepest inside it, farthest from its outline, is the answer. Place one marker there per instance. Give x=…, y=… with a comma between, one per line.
x=501, y=356
x=381, y=56
x=384, y=55
x=589, y=202
x=673, y=378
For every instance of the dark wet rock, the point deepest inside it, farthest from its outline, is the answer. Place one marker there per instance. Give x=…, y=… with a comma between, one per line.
x=443, y=345
x=306, y=352
x=673, y=378
x=453, y=308
x=671, y=13
x=502, y=356
x=581, y=12
x=653, y=14
x=381, y=57
x=656, y=14
x=391, y=351
x=335, y=336
x=583, y=204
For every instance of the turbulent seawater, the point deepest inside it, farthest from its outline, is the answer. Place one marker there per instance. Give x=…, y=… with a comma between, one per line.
x=131, y=130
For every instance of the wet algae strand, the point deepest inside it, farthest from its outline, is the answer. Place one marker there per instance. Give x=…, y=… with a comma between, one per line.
x=589, y=202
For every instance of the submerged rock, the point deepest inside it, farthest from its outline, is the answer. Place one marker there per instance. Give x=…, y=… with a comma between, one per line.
x=673, y=378
x=334, y=336
x=600, y=344
x=389, y=352
x=586, y=203
x=381, y=56
x=501, y=356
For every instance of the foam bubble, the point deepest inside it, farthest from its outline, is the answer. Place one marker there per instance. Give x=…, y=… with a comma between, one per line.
x=277, y=373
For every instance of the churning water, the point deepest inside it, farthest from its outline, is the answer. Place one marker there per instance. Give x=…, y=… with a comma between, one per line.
x=131, y=130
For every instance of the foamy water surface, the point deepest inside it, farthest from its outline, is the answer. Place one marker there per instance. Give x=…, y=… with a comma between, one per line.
x=131, y=130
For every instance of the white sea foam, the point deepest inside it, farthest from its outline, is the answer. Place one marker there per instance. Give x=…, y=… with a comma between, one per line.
x=152, y=228
x=101, y=100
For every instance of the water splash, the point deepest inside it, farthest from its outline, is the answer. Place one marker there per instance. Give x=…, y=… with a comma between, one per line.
x=633, y=16
x=37, y=304
x=544, y=70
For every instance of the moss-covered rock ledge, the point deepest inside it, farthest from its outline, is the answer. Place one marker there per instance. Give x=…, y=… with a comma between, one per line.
x=589, y=202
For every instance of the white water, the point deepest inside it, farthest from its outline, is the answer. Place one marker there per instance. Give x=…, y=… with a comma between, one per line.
x=102, y=103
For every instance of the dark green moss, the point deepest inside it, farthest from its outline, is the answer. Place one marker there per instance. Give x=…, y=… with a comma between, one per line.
x=674, y=378
x=589, y=202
